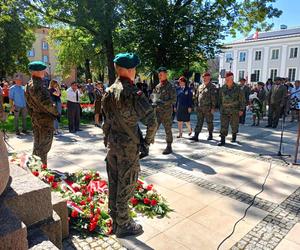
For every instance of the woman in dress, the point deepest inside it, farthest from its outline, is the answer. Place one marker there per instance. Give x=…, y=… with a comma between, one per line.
x=184, y=105
x=55, y=94
x=99, y=92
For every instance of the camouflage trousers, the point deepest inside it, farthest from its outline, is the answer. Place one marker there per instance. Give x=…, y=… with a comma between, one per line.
x=232, y=119
x=42, y=141
x=208, y=116
x=165, y=118
x=122, y=165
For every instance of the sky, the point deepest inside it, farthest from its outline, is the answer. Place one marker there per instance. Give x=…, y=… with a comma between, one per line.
x=289, y=17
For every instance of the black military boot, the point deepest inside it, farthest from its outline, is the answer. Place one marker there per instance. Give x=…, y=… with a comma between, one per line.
x=222, y=142
x=233, y=139
x=195, y=137
x=168, y=149
x=129, y=229
x=210, y=137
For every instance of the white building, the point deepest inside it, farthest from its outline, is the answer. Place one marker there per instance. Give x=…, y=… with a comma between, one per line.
x=264, y=55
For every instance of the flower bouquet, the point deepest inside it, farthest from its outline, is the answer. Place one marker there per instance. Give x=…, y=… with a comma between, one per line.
x=87, y=195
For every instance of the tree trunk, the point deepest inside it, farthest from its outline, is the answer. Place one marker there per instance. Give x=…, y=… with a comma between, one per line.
x=109, y=50
x=88, y=74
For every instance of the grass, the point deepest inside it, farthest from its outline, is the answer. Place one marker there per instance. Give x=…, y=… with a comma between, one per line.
x=9, y=126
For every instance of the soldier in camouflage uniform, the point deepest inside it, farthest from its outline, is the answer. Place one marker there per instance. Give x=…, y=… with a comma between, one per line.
x=41, y=109
x=205, y=106
x=124, y=105
x=166, y=95
x=232, y=104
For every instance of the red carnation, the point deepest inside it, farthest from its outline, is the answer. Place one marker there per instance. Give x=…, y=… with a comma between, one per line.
x=74, y=214
x=82, y=203
x=92, y=206
x=36, y=173
x=51, y=178
x=89, y=199
x=134, y=201
x=92, y=226
x=149, y=187
x=55, y=185
x=87, y=177
x=147, y=201
x=153, y=203
x=44, y=166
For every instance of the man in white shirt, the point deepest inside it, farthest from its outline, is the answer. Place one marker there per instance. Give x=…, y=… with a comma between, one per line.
x=73, y=107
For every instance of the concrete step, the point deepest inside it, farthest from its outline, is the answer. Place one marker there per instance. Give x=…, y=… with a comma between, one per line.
x=28, y=197
x=37, y=240
x=60, y=207
x=13, y=232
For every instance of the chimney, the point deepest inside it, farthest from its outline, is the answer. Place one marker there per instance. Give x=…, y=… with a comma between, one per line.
x=283, y=27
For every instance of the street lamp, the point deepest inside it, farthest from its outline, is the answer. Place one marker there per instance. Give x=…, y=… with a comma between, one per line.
x=189, y=30
x=49, y=71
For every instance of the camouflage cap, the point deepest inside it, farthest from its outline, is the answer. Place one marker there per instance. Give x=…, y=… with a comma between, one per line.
x=162, y=69
x=127, y=60
x=37, y=66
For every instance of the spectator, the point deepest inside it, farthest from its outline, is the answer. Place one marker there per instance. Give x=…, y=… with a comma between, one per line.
x=256, y=108
x=99, y=92
x=5, y=90
x=18, y=105
x=295, y=100
x=184, y=105
x=55, y=95
x=90, y=89
x=73, y=107
x=247, y=92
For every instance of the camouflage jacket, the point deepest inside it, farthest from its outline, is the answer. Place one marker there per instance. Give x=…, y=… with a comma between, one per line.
x=167, y=97
x=206, y=95
x=39, y=104
x=231, y=100
x=124, y=106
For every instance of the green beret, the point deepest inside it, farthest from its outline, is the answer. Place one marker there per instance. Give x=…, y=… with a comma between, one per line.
x=37, y=66
x=162, y=69
x=127, y=60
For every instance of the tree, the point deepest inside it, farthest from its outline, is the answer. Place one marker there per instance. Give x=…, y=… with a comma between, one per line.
x=156, y=29
x=16, y=39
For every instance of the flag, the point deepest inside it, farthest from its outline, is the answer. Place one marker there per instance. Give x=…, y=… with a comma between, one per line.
x=255, y=36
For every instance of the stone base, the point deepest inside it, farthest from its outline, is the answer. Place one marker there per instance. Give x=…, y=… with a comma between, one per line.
x=13, y=233
x=39, y=241
x=60, y=207
x=28, y=197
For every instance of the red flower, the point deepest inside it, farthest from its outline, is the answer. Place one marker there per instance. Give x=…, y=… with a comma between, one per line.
x=55, y=185
x=88, y=177
x=98, y=210
x=92, y=226
x=140, y=182
x=51, y=178
x=153, y=203
x=89, y=199
x=147, y=201
x=134, y=201
x=149, y=187
x=74, y=214
x=82, y=203
x=36, y=173
x=44, y=166
x=92, y=206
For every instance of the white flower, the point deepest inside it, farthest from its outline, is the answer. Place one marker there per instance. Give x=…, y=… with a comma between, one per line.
x=150, y=193
x=75, y=185
x=78, y=193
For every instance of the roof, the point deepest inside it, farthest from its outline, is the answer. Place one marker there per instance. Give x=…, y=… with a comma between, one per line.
x=275, y=34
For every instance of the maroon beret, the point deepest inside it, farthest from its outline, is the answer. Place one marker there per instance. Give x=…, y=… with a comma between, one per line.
x=206, y=74
x=228, y=74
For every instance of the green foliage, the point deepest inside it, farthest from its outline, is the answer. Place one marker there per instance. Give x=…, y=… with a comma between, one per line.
x=16, y=37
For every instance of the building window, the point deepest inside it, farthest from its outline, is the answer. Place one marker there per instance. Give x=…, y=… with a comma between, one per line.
x=228, y=57
x=242, y=56
x=241, y=74
x=273, y=74
x=45, y=45
x=31, y=53
x=258, y=55
x=275, y=54
x=45, y=59
x=292, y=74
x=256, y=75
x=293, y=52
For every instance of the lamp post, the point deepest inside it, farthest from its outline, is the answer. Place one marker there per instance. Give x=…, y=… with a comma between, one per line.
x=189, y=30
x=230, y=63
x=49, y=71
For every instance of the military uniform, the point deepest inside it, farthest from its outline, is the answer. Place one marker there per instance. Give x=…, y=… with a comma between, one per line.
x=205, y=102
x=247, y=92
x=277, y=101
x=124, y=106
x=232, y=101
x=43, y=113
x=167, y=97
